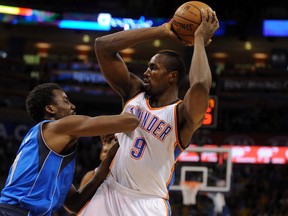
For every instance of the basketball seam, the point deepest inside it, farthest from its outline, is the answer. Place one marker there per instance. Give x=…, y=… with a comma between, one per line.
x=187, y=19
x=196, y=7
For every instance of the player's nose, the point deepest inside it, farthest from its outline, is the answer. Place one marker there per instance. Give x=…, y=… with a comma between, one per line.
x=72, y=107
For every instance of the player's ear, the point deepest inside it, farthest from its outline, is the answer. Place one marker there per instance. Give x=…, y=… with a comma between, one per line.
x=173, y=76
x=50, y=109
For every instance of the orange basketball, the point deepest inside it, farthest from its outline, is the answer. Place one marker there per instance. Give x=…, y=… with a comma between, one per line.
x=187, y=19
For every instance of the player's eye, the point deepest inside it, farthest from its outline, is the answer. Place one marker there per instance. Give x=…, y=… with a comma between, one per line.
x=66, y=100
x=152, y=67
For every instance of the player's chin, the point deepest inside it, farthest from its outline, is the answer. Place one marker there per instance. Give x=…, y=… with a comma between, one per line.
x=147, y=88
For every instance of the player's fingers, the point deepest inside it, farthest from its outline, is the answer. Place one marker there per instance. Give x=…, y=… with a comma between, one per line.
x=210, y=15
x=215, y=19
x=202, y=12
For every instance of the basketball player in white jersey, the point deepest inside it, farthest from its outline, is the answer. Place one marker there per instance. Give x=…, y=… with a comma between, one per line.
x=142, y=170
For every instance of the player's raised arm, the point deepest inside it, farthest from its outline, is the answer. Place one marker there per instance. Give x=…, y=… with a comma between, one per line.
x=196, y=98
x=112, y=65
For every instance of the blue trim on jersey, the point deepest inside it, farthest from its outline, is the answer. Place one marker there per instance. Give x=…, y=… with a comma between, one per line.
x=177, y=152
x=171, y=181
x=39, y=179
x=169, y=207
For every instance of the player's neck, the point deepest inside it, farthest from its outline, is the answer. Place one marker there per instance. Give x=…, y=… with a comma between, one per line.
x=160, y=102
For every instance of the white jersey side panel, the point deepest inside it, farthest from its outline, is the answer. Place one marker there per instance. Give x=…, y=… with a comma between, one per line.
x=145, y=160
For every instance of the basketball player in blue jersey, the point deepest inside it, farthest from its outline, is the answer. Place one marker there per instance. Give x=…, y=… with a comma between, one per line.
x=142, y=171
x=41, y=176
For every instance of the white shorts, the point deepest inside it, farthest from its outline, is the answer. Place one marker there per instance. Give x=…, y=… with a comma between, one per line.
x=112, y=199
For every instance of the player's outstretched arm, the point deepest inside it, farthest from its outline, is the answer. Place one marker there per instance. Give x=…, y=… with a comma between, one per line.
x=76, y=199
x=72, y=127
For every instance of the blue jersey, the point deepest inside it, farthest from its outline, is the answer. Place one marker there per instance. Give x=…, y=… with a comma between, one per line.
x=39, y=179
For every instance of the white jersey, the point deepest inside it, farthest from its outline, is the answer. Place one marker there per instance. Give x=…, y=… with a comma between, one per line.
x=145, y=159
x=143, y=167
